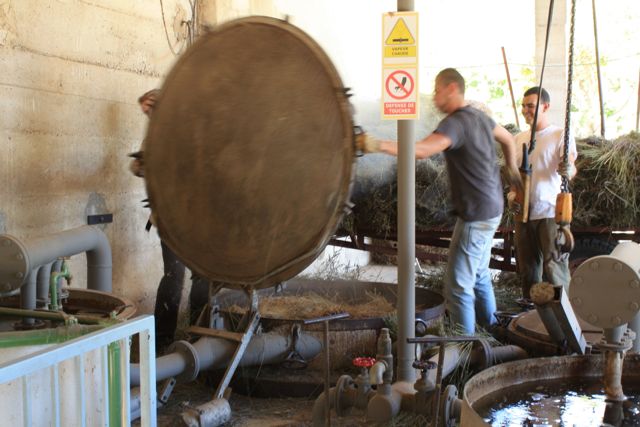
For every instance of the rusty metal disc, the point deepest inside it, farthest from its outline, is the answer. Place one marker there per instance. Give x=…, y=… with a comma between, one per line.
x=249, y=153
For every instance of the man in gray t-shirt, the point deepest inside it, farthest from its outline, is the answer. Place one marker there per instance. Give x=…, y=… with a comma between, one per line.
x=466, y=136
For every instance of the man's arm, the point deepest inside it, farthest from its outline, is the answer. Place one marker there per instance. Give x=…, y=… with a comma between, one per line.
x=427, y=147
x=508, y=145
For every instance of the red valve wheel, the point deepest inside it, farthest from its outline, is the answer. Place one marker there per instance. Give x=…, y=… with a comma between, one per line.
x=364, y=362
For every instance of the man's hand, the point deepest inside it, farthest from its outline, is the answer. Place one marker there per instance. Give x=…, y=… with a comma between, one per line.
x=367, y=144
x=513, y=177
x=513, y=205
x=137, y=167
x=567, y=169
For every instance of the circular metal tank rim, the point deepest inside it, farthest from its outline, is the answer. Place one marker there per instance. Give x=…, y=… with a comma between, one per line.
x=533, y=370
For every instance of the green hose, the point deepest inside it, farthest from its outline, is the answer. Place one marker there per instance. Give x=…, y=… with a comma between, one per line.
x=53, y=285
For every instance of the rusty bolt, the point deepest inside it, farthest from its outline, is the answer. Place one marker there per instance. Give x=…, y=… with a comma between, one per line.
x=635, y=284
x=577, y=280
x=594, y=265
x=616, y=320
x=617, y=266
x=19, y=257
x=592, y=318
x=19, y=275
x=634, y=306
x=576, y=301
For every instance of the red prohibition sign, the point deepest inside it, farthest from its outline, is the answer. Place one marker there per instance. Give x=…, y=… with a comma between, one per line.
x=399, y=81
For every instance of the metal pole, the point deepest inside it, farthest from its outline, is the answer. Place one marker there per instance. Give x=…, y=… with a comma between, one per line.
x=595, y=36
x=406, y=238
x=638, y=107
x=513, y=100
x=327, y=374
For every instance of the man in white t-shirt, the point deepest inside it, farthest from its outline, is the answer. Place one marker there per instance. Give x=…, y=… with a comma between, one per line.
x=536, y=253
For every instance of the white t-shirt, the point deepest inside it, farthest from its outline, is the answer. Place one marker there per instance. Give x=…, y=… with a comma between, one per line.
x=544, y=160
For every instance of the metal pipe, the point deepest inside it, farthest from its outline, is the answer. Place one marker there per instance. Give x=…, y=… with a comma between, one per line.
x=28, y=295
x=42, y=287
x=44, y=250
x=211, y=353
x=50, y=315
x=513, y=99
x=595, y=37
x=634, y=325
x=613, y=375
x=400, y=396
x=638, y=106
x=406, y=238
x=53, y=285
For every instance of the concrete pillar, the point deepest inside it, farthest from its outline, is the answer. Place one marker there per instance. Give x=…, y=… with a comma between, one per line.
x=555, y=73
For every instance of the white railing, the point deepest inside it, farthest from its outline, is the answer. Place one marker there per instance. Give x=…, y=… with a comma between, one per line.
x=74, y=351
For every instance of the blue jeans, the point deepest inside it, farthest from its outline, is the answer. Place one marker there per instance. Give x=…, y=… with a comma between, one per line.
x=467, y=281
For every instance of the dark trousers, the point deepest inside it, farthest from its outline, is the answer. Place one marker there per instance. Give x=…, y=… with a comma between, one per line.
x=536, y=255
x=169, y=294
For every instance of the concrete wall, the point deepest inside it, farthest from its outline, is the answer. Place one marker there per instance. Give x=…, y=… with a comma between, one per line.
x=555, y=73
x=70, y=74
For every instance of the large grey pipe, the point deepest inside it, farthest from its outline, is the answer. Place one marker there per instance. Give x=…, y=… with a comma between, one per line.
x=27, y=255
x=210, y=353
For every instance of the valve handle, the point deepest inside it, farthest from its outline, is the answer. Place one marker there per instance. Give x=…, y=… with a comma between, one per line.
x=424, y=365
x=363, y=362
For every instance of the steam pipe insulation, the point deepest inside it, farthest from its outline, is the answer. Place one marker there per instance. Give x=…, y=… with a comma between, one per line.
x=208, y=353
x=40, y=251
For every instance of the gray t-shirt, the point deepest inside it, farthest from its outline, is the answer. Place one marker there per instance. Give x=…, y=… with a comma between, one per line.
x=474, y=174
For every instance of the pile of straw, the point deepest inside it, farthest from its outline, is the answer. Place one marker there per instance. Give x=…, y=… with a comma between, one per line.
x=605, y=191
x=313, y=305
x=378, y=210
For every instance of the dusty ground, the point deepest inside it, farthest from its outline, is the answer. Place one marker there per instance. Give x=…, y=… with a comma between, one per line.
x=264, y=412
x=248, y=411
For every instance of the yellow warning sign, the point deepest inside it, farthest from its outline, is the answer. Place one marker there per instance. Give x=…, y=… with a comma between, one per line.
x=400, y=34
x=399, y=51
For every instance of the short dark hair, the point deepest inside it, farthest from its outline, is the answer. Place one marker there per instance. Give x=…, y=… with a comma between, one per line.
x=451, y=75
x=544, y=95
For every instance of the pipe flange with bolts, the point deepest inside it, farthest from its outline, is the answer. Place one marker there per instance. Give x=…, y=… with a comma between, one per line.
x=188, y=351
x=14, y=264
x=447, y=413
x=483, y=355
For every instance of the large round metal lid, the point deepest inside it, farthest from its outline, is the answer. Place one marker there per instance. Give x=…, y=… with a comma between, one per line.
x=249, y=153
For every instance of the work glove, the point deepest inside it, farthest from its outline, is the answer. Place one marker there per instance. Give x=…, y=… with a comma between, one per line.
x=567, y=169
x=513, y=205
x=367, y=143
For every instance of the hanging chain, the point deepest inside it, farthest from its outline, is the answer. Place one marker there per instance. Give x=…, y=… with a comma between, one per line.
x=534, y=125
x=564, y=186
